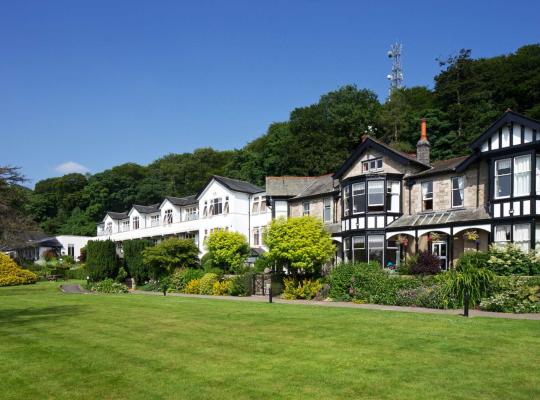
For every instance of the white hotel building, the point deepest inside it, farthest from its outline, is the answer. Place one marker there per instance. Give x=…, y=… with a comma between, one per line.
x=223, y=203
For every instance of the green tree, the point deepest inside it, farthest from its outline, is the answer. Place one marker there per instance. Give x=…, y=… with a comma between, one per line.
x=133, y=258
x=299, y=244
x=228, y=250
x=171, y=254
x=101, y=260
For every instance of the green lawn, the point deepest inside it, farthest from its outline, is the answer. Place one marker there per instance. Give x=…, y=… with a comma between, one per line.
x=54, y=345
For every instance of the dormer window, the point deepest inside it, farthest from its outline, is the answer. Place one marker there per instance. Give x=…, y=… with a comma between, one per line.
x=135, y=222
x=191, y=213
x=374, y=165
x=108, y=229
x=125, y=226
x=168, y=217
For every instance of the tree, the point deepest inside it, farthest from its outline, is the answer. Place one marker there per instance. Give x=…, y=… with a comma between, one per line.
x=134, y=259
x=12, y=198
x=171, y=254
x=228, y=250
x=101, y=260
x=299, y=244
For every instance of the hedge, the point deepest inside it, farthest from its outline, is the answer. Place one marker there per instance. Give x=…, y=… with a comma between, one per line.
x=134, y=261
x=101, y=260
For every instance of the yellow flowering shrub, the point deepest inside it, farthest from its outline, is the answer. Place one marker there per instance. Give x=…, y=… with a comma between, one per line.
x=307, y=289
x=206, y=284
x=11, y=274
x=193, y=286
x=221, y=288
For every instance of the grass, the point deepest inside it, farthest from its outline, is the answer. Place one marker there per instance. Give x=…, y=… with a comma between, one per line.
x=61, y=346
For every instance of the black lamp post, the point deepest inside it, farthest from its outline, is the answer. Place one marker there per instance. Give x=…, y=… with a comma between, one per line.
x=466, y=303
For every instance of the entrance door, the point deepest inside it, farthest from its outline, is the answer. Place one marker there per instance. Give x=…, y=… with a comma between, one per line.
x=439, y=249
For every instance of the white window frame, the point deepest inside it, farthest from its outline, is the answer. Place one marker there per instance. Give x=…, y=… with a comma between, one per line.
x=526, y=173
x=327, y=205
x=372, y=165
x=524, y=245
x=306, y=211
x=168, y=217
x=359, y=187
x=426, y=196
x=256, y=236
x=497, y=176
x=263, y=207
x=136, y=222
x=255, y=206
x=462, y=191
x=346, y=200
x=370, y=186
x=498, y=232
x=125, y=226
x=154, y=220
x=392, y=195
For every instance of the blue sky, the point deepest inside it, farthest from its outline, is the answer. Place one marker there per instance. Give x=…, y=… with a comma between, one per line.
x=99, y=83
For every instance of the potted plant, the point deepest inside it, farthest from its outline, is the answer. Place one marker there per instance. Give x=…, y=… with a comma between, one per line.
x=473, y=236
x=434, y=236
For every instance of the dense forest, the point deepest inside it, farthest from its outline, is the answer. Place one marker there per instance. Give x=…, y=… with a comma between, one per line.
x=467, y=96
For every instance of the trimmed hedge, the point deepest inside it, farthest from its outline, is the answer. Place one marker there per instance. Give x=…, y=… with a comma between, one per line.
x=101, y=260
x=134, y=260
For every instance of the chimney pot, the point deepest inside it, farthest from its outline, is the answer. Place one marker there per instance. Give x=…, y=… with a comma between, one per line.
x=422, y=147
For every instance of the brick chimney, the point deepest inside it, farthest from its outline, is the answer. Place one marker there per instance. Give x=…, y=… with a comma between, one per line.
x=422, y=147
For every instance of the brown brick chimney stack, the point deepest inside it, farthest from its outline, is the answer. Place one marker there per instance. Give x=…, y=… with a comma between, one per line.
x=422, y=147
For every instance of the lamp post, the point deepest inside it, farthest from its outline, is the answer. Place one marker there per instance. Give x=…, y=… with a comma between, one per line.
x=466, y=303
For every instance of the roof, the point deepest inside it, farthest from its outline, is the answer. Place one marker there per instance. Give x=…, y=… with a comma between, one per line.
x=182, y=201
x=287, y=186
x=153, y=208
x=320, y=185
x=439, y=218
x=441, y=166
x=118, y=215
x=369, y=142
x=236, y=185
x=32, y=239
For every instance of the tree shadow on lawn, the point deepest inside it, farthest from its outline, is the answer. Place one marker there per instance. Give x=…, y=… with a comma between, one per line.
x=24, y=316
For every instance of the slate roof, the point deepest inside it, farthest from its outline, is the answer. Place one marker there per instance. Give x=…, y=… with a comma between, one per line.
x=441, y=166
x=182, y=201
x=147, y=209
x=117, y=215
x=237, y=185
x=287, y=186
x=31, y=239
x=439, y=218
x=320, y=185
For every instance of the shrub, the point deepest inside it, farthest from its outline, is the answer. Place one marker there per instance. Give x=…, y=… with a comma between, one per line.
x=405, y=267
x=513, y=294
x=429, y=295
x=134, y=260
x=77, y=273
x=101, y=260
x=11, y=274
x=374, y=285
x=192, y=286
x=122, y=275
x=206, y=284
x=49, y=255
x=170, y=254
x=181, y=278
x=511, y=260
x=261, y=263
x=426, y=264
x=221, y=288
x=228, y=250
x=306, y=289
x=242, y=285
x=109, y=286
x=340, y=280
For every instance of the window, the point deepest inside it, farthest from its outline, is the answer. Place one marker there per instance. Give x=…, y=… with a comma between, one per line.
x=109, y=228
x=522, y=236
x=376, y=248
x=154, y=220
x=327, y=212
x=216, y=206
x=205, y=209
x=135, y=222
x=263, y=206
x=502, y=235
x=168, y=217
x=191, y=213
x=392, y=254
x=537, y=238
x=125, y=226
x=306, y=207
x=359, y=197
x=372, y=165
x=226, y=206
x=457, y=191
x=522, y=175
x=256, y=236
x=537, y=174
x=346, y=249
x=346, y=200
x=427, y=195
x=503, y=178
x=71, y=250
x=255, y=206
x=393, y=189
x=359, y=248
x=375, y=195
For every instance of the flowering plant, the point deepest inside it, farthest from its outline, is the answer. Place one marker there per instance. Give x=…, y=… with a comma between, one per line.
x=471, y=235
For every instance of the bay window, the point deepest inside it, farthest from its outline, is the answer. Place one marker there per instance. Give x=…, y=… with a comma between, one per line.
x=522, y=236
x=458, y=191
x=427, y=196
x=359, y=197
x=376, y=248
x=393, y=189
x=375, y=195
x=263, y=206
x=135, y=222
x=346, y=200
x=538, y=175
x=503, y=178
x=359, y=248
x=522, y=175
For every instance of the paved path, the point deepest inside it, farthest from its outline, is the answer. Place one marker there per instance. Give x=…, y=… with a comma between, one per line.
x=263, y=299
x=74, y=289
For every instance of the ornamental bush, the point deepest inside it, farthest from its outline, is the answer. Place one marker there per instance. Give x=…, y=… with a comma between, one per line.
x=426, y=264
x=340, y=280
x=182, y=277
x=306, y=289
x=511, y=260
x=514, y=294
x=11, y=274
x=206, y=285
x=109, y=286
x=101, y=260
x=192, y=286
x=221, y=288
x=227, y=250
x=242, y=285
x=134, y=260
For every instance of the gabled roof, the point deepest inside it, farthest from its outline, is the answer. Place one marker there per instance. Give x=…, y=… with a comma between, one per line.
x=182, y=201
x=320, y=185
x=233, y=184
x=442, y=166
x=370, y=143
x=117, y=215
x=153, y=208
x=287, y=186
x=507, y=117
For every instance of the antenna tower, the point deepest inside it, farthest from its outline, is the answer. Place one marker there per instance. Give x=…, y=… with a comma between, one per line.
x=396, y=75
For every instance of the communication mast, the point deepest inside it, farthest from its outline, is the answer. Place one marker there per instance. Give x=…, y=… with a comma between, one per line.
x=396, y=75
